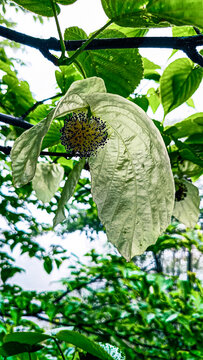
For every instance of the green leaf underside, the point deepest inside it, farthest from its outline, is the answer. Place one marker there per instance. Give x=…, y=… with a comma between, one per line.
x=190, y=126
x=27, y=337
x=83, y=343
x=154, y=13
x=121, y=69
x=187, y=210
x=132, y=183
x=26, y=149
x=178, y=82
x=68, y=191
x=43, y=8
x=14, y=348
x=46, y=180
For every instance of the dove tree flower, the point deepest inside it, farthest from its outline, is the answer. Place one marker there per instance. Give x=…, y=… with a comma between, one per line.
x=132, y=182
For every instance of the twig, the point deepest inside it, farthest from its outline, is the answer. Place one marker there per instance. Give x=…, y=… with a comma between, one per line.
x=80, y=286
x=59, y=348
x=188, y=44
x=7, y=149
x=32, y=108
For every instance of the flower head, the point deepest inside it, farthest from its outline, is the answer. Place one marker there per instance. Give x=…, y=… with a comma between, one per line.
x=83, y=135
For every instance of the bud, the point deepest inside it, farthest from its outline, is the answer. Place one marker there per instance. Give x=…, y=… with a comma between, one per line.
x=83, y=135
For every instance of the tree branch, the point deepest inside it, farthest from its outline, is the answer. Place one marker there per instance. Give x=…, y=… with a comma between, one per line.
x=7, y=149
x=187, y=44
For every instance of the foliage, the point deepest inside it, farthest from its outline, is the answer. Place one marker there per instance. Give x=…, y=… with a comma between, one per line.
x=144, y=168
x=113, y=301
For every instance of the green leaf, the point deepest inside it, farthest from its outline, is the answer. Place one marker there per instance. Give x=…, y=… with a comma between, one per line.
x=154, y=13
x=48, y=264
x=26, y=337
x=46, y=180
x=53, y=135
x=66, y=2
x=183, y=31
x=190, y=169
x=83, y=343
x=149, y=67
x=141, y=101
x=68, y=191
x=192, y=125
x=26, y=149
x=187, y=210
x=127, y=31
x=13, y=348
x=189, y=152
x=67, y=76
x=178, y=82
x=154, y=99
x=190, y=103
x=121, y=69
x=132, y=183
x=43, y=8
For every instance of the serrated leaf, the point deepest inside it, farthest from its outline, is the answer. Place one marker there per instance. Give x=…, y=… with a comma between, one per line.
x=192, y=125
x=68, y=191
x=154, y=13
x=132, y=182
x=43, y=8
x=121, y=69
x=26, y=149
x=83, y=343
x=178, y=82
x=187, y=210
x=46, y=180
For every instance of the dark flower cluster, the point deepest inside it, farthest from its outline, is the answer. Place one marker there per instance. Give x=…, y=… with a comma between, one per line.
x=83, y=135
x=181, y=190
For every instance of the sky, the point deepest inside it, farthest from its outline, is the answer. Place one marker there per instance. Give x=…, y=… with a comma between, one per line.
x=39, y=73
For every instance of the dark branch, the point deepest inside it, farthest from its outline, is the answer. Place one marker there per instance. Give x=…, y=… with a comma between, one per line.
x=187, y=44
x=7, y=149
x=16, y=121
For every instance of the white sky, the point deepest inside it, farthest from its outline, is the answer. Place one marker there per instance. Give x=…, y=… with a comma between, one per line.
x=39, y=72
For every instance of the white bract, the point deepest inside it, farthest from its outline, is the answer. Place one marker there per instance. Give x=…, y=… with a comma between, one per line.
x=132, y=182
